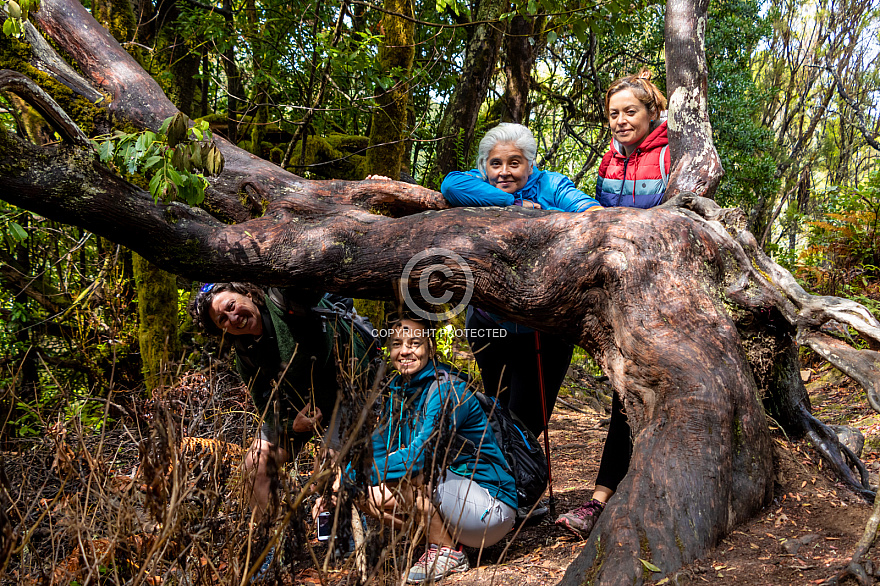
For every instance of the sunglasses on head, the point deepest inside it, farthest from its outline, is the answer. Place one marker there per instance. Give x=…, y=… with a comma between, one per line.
x=206, y=287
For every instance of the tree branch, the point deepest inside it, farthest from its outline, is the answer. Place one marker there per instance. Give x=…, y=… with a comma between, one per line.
x=34, y=95
x=862, y=125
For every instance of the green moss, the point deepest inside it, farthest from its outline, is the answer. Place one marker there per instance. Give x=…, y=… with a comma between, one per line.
x=381, y=210
x=117, y=17
x=737, y=435
x=15, y=55
x=256, y=139
x=593, y=572
x=330, y=157
x=157, y=319
x=371, y=309
x=213, y=118
x=347, y=142
x=276, y=154
x=389, y=124
x=243, y=199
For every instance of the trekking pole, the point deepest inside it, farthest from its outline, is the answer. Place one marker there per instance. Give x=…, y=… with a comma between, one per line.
x=552, y=501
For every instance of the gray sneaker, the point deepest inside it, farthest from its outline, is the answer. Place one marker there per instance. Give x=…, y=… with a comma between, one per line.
x=436, y=563
x=582, y=520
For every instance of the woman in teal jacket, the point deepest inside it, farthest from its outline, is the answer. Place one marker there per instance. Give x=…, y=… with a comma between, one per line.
x=471, y=499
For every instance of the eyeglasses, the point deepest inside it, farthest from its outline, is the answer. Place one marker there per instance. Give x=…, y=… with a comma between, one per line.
x=206, y=287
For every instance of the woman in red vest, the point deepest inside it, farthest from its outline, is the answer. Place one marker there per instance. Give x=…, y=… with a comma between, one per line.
x=635, y=169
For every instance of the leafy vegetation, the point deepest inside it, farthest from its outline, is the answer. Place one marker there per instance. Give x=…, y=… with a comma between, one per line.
x=171, y=160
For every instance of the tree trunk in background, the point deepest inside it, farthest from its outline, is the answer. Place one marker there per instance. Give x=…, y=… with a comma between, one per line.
x=118, y=17
x=174, y=55
x=389, y=127
x=157, y=321
x=259, y=110
x=184, y=67
x=696, y=166
x=156, y=289
x=521, y=45
x=457, y=127
x=235, y=87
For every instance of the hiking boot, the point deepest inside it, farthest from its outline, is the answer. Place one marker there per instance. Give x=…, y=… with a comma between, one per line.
x=582, y=520
x=527, y=516
x=437, y=563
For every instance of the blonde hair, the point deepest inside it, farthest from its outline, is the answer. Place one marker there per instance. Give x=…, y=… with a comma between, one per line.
x=643, y=90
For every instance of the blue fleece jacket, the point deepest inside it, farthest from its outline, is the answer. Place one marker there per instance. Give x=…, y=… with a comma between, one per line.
x=553, y=191
x=428, y=410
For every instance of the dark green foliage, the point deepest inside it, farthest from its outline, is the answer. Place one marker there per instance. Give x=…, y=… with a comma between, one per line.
x=66, y=325
x=172, y=161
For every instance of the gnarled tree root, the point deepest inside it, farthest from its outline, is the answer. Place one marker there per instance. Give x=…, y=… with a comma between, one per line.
x=841, y=459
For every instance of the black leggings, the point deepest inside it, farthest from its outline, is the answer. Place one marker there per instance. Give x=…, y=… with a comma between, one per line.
x=509, y=367
x=617, y=451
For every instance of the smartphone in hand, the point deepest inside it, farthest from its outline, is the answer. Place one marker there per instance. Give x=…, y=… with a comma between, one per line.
x=325, y=526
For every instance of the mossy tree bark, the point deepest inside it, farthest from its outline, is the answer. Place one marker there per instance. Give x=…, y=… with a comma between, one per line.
x=389, y=127
x=117, y=16
x=157, y=321
x=522, y=43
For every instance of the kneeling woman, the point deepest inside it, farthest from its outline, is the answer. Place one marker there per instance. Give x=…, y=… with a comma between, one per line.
x=472, y=501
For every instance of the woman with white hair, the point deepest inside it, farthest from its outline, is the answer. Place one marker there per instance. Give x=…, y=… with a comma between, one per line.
x=506, y=175
x=511, y=366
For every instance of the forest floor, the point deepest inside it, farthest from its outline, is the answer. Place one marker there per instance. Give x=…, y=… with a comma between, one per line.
x=803, y=537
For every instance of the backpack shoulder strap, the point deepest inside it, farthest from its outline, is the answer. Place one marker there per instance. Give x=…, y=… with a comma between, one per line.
x=287, y=305
x=664, y=175
x=336, y=307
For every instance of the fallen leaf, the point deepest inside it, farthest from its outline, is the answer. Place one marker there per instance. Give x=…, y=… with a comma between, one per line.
x=649, y=565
